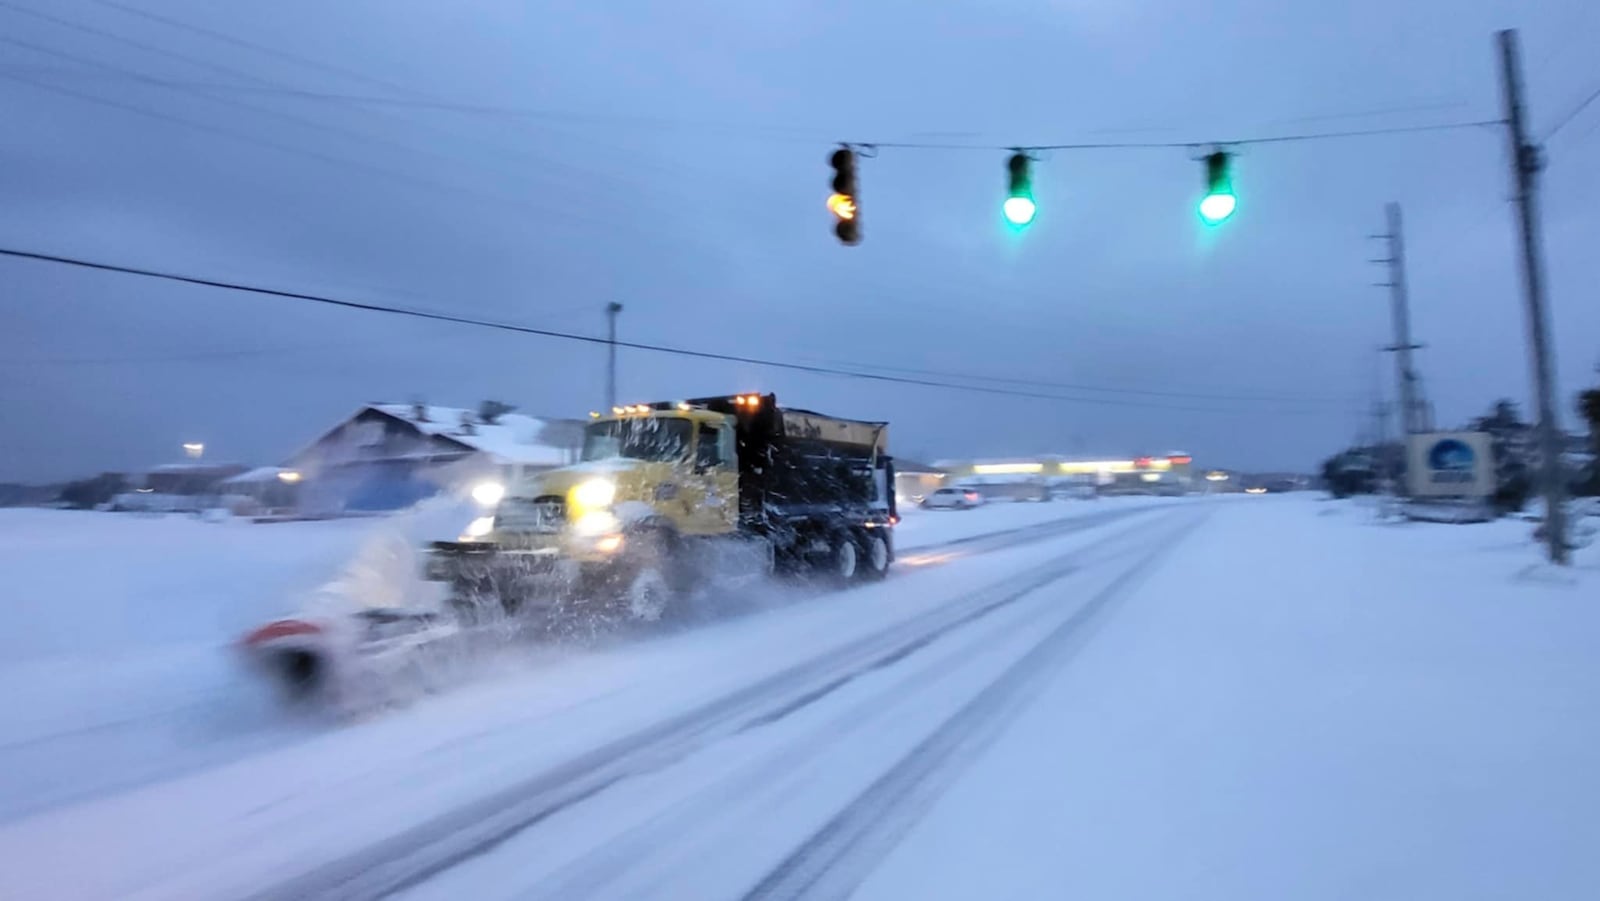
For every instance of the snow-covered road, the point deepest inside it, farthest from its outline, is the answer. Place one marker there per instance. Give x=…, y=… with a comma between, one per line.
x=121, y=627
x=1248, y=698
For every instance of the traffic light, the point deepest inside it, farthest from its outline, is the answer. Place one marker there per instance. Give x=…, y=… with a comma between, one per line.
x=843, y=203
x=1219, y=202
x=1019, y=206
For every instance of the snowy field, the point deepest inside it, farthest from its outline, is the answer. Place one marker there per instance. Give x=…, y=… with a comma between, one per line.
x=1271, y=698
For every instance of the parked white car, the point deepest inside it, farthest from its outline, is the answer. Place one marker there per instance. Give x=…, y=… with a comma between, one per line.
x=953, y=498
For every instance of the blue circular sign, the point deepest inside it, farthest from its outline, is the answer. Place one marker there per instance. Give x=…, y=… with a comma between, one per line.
x=1451, y=455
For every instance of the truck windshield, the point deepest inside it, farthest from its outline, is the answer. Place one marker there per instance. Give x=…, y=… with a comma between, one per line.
x=649, y=438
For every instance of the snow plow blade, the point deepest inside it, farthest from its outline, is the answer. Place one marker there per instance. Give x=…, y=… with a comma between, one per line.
x=340, y=660
x=296, y=655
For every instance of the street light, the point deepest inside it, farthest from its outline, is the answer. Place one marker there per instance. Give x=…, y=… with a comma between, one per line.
x=194, y=449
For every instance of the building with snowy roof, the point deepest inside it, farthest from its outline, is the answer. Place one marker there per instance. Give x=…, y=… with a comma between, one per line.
x=388, y=456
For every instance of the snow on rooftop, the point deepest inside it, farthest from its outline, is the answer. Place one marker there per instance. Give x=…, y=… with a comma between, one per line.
x=194, y=467
x=511, y=438
x=259, y=474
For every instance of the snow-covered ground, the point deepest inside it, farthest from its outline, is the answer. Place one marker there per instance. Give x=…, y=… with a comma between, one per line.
x=1242, y=698
x=1301, y=703
x=120, y=626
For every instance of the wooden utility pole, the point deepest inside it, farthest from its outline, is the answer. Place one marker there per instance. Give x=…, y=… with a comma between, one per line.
x=1526, y=161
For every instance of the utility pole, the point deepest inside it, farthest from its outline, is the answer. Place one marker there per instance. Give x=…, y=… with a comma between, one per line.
x=1408, y=396
x=1526, y=161
x=612, y=309
x=1388, y=485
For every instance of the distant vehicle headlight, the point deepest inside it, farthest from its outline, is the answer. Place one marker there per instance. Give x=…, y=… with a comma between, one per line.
x=488, y=493
x=594, y=493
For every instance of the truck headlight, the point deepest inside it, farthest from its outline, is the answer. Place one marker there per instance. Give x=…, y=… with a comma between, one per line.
x=594, y=494
x=488, y=493
x=478, y=528
x=596, y=522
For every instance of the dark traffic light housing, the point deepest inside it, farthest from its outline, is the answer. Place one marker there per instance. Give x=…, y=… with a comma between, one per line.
x=844, y=202
x=1219, y=201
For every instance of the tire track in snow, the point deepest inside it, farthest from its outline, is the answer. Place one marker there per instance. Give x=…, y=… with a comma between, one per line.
x=1022, y=536
x=837, y=857
x=746, y=787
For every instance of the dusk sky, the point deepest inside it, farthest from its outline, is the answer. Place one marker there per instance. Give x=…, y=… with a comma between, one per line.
x=672, y=157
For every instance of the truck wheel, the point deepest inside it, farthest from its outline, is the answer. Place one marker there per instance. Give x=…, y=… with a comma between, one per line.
x=843, y=558
x=648, y=595
x=874, y=556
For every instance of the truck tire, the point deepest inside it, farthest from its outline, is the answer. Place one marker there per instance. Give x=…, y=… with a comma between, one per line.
x=874, y=556
x=844, y=557
x=648, y=595
x=662, y=574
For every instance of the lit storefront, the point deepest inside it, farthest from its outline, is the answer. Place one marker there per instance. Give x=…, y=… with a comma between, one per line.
x=1154, y=473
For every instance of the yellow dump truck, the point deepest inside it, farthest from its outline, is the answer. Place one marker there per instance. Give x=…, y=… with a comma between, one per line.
x=671, y=495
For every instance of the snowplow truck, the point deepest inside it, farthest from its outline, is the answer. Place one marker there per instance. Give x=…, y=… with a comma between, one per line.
x=671, y=496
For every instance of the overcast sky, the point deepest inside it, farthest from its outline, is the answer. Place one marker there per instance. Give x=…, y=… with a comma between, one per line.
x=673, y=158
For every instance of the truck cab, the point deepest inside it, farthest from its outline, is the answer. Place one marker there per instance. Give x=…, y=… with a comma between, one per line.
x=671, y=469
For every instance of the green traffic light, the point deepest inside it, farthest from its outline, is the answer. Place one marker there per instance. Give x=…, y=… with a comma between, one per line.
x=1019, y=206
x=1020, y=209
x=1218, y=206
x=1219, y=202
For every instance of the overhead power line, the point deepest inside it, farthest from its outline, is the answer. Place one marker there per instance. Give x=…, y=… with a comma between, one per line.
x=1105, y=389
x=251, y=45
x=1172, y=145
x=1576, y=111
x=516, y=164
x=789, y=134
x=597, y=340
x=184, y=357
x=794, y=133
x=255, y=85
x=415, y=98
x=254, y=109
